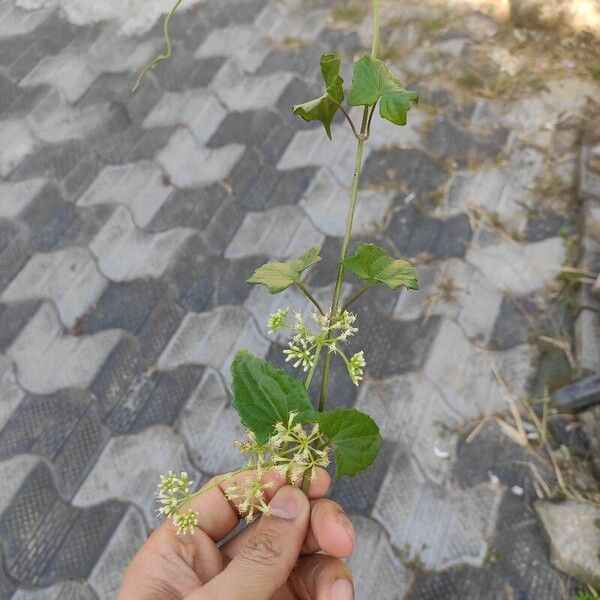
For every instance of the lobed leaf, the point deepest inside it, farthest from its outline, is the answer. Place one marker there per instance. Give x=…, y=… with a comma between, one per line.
x=278, y=276
x=354, y=435
x=264, y=395
x=326, y=106
x=373, y=264
x=372, y=80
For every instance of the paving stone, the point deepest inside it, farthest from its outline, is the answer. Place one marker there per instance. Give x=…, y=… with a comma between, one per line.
x=415, y=233
x=38, y=519
x=406, y=502
x=590, y=423
x=358, y=495
x=458, y=584
x=412, y=170
x=326, y=204
x=193, y=207
x=54, y=121
x=302, y=60
x=105, y=579
x=48, y=217
x=139, y=186
x=47, y=359
x=17, y=196
x=125, y=252
x=11, y=393
x=572, y=529
x=198, y=110
x=412, y=412
x=376, y=570
x=13, y=251
x=513, y=323
x=181, y=156
x=241, y=42
x=155, y=450
x=241, y=92
x=15, y=470
x=579, y=395
x=517, y=268
x=68, y=590
x=207, y=421
x=312, y=148
x=67, y=277
x=279, y=24
x=123, y=366
x=57, y=160
x=17, y=22
x=282, y=232
x=386, y=343
x=69, y=72
x=16, y=142
x=447, y=140
x=212, y=338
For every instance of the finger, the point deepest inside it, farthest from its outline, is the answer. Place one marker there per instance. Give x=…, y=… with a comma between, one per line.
x=322, y=577
x=268, y=556
x=217, y=516
x=330, y=530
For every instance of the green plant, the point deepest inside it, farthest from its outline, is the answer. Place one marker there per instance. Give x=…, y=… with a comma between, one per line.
x=286, y=431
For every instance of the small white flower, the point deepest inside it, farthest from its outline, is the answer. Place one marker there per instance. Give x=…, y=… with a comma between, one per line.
x=277, y=321
x=355, y=367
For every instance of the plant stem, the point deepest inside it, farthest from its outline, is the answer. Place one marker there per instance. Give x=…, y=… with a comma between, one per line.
x=307, y=293
x=337, y=292
x=356, y=296
x=312, y=369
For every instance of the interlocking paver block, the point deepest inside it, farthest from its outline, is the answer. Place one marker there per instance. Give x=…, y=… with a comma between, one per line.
x=16, y=142
x=199, y=110
x=212, y=338
x=125, y=253
x=108, y=573
x=282, y=232
x=376, y=570
x=182, y=155
x=17, y=196
x=155, y=451
x=518, y=268
x=243, y=42
x=70, y=278
x=138, y=186
x=326, y=203
x=47, y=359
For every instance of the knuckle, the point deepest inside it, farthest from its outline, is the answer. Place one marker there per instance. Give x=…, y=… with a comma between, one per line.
x=262, y=547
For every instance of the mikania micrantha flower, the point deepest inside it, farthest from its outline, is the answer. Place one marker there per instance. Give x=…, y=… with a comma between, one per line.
x=306, y=343
x=294, y=451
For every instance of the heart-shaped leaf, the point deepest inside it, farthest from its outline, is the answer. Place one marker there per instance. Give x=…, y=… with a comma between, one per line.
x=373, y=264
x=324, y=108
x=355, y=437
x=278, y=276
x=372, y=80
x=264, y=395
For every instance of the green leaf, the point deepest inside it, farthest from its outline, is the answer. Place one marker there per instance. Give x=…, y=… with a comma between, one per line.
x=375, y=265
x=372, y=80
x=278, y=276
x=324, y=108
x=264, y=395
x=354, y=435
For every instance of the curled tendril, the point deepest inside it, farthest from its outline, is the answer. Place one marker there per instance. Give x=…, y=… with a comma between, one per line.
x=161, y=57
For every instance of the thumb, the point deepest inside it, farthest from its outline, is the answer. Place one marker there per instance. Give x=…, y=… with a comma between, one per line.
x=268, y=556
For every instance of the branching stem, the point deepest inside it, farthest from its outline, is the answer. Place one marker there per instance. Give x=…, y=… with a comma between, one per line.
x=308, y=294
x=367, y=112
x=356, y=296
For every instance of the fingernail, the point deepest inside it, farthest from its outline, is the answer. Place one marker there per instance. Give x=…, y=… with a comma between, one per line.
x=346, y=523
x=342, y=589
x=286, y=504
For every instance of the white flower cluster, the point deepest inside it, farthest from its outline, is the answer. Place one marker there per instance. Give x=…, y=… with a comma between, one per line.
x=306, y=344
x=173, y=495
x=292, y=451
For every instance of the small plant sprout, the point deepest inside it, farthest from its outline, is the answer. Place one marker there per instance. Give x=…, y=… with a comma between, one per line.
x=287, y=431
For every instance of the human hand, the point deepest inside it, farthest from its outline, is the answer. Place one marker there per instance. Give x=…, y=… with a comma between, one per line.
x=275, y=558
